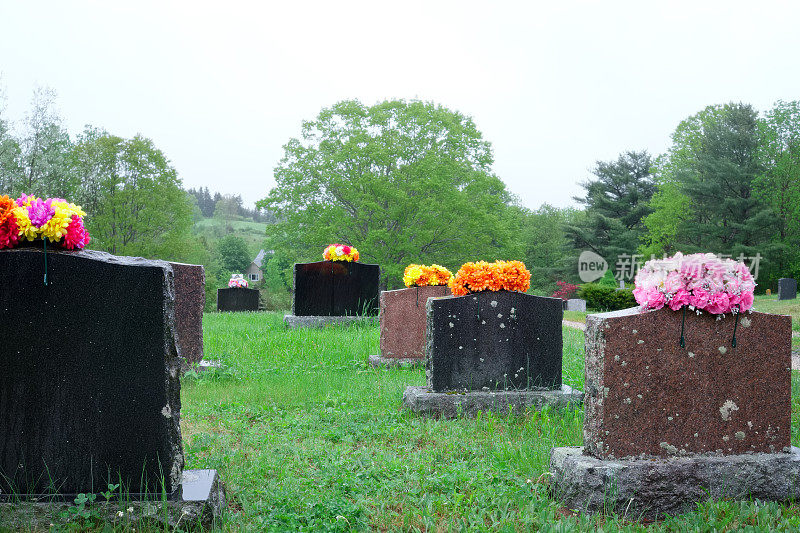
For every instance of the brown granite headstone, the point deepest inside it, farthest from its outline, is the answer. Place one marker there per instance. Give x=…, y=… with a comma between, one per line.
x=403, y=319
x=646, y=395
x=190, y=298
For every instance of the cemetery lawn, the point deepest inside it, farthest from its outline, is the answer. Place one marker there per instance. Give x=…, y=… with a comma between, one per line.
x=575, y=316
x=770, y=304
x=308, y=438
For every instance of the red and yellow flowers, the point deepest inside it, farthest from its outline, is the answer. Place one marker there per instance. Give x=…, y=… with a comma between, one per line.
x=340, y=252
x=31, y=218
x=483, y=276
x=422, y=275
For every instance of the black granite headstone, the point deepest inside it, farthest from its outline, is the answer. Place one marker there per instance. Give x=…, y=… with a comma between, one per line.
x=237, y=299
x=335, y=288
x=494, y=340
x=787, y=289
x=89, y=386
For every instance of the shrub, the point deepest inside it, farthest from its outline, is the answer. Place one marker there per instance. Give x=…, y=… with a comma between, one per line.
x=565, y=290
x=603, y=298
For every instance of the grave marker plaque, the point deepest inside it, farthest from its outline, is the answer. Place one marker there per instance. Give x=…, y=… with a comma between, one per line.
x=494, y=340
x=89, y=387
x=787, y=289
x=403, y=320
x=335, y=288
x=190, y=298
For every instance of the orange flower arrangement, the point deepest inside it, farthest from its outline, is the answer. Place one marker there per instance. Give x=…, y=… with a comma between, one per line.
x=482, y=276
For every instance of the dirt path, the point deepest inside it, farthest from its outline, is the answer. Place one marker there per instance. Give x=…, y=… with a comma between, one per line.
x=577, y=325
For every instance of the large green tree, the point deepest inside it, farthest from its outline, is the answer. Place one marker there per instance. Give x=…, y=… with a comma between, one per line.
x=402, y=181
x=616, y=203
x=133, y=197
x=779, y=185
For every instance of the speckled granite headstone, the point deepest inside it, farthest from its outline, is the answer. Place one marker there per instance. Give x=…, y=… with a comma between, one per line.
x=787, y=289
x=335, y=288
x=403, y=320
x=190, y=298
x=647, y=395
x=237, y=299
x=89, y=387
x=499, y=340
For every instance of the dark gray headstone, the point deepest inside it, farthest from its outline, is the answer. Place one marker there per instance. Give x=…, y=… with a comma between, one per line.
x=237, y=299
x=89, y=387
x=787, y=289
x=335, y=288
x=498, y=340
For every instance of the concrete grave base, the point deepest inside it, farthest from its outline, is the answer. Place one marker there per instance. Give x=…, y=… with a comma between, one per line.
x=294, y=321
x=653, y=488
x=201, y=502
x=378, y=361
x=452, y=404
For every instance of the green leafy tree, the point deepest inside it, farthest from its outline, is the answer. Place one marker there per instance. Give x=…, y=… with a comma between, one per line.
x=10, y=153
x=616, y=204
x=402, y=181
x=233, y=254
x=779, y=185
x=45, y=148
x=133, y=197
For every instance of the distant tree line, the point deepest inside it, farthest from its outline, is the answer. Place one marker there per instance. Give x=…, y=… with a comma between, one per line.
x=412, y=182
x=233, y=204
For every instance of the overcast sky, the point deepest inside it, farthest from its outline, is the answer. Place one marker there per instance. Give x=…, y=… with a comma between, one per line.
x=220, y=87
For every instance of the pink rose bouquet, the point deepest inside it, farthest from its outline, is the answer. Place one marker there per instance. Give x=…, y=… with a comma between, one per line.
x=703, y=282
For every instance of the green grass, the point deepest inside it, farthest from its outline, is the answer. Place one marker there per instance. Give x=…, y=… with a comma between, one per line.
x=310, y=439
x=253, y=233
x=770, y=304
x=575, y=316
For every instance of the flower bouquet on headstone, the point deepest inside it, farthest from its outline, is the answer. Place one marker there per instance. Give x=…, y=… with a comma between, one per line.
x=424, y=276
x=237, y=281
x=702, y=282
x=483, y=276
x=53, y=220
x=340, y=252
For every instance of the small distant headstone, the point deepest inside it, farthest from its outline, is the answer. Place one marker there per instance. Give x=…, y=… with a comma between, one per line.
x=190, y=298
x=402, y=324
x=768, y=292
x=237, y=299
x=335, y=288
x=576, y=304
x=787, y=289
x=622, y=284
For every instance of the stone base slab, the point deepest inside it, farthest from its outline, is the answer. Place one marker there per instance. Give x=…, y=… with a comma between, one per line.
x=294, y=321
x=654, y=488
x=201, y=503
x=378, y=361
x=452, y=404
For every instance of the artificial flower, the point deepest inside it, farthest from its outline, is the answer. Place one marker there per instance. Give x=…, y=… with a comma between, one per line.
x=422, y=275
x=482, y=276
x=340, y=252
x=703, y=282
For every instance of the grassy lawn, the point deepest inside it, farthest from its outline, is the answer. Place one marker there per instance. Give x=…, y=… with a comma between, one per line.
x=770, y=304
x=575, y=316
x=308, y=438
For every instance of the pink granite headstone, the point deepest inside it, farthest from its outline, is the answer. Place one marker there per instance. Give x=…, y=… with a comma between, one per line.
x=190, y=298
x=647, y=395
x=403, y=320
